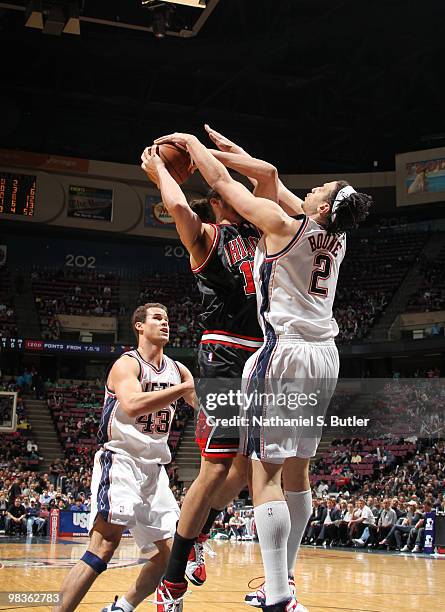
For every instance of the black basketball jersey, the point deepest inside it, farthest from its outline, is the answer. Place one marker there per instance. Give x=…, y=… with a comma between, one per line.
x=225, y=281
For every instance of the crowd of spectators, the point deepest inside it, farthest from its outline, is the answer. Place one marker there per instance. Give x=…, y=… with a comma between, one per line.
x=369, y=276
x=384, y=509
x=384, y=523
x=72, y=292
x=17, y=448
x=26, y=498
x=178, y=292
x=76, y=408
x=430, y=296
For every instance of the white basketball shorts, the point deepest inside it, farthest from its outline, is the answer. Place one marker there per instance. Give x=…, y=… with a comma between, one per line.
x=136, y=495
x=287, y=368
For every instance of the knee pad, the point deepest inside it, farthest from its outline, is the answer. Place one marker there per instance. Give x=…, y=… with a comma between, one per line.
x=94, y=562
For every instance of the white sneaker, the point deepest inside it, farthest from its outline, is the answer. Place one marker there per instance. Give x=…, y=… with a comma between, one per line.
x=113, y=607
x=257, y=599
x=358, y=542
x=416, y=549
x=405, y=548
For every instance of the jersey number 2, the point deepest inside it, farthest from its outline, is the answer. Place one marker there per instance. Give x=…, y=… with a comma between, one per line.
x=322, y=271
x=246, y=269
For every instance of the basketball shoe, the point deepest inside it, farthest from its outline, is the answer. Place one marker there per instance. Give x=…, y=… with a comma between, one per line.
x=196, y=566
x=113, y=607
x=169, y=596
x=289, y=605
x=257, y=599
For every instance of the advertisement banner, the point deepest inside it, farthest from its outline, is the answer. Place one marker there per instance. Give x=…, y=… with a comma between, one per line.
x=75, y=524
x=156, y=215
x=430, y=523
x=90, y=203
x=420, y=177
x=92, y=324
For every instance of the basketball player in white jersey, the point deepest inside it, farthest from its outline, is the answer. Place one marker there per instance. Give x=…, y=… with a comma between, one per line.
x=130, y=487
x=296, y=269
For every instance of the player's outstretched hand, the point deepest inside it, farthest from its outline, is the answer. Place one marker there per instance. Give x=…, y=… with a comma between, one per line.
x=223, y=143
x=181, y=140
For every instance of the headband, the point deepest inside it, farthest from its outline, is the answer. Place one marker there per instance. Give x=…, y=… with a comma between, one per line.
x=341, y=195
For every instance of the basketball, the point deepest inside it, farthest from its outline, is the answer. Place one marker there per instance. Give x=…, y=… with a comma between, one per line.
x=177, y=161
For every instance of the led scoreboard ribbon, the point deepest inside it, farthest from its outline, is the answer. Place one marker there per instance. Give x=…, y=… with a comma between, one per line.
x=17, y=194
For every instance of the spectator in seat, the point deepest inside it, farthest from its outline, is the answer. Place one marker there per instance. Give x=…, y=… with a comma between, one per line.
x=237, y=526
x=3, y=508
x=359, y=524
x=45, y=497
x=78, y=506
x=332, y=515
x=342, y=536
x=395, y=505
x=331, y=529
x=416, y=535
x=403, y=527
x=15, y=516
x=33, y=518
x=315, y=524
x=15, y=490
x=385, y=523
x=229, y=513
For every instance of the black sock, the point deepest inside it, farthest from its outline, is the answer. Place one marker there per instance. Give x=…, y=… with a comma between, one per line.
x=210, y=520
x=178, y=559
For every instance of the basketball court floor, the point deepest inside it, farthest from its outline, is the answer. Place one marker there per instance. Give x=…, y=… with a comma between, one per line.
x=328, y=579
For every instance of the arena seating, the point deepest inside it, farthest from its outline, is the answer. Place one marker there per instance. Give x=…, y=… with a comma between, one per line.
x=178, y=292
x=372, y=271
x=339, y=465
x=431, y=294
x=73, y=292
x=76, y=408
x=8, y=323
x=14, y=446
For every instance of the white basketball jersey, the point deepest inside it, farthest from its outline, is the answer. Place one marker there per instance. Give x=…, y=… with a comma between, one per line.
x=144, y=438
x=296, y=287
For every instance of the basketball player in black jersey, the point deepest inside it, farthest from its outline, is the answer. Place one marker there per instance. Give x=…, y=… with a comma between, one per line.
x=221, y=246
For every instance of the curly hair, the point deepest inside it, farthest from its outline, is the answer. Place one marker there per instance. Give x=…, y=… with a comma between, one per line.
x=350, y=212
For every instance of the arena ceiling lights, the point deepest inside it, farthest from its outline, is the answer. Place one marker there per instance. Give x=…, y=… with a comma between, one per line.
x=180, y=18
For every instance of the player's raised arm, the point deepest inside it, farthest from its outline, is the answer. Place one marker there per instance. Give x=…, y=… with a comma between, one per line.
x=135, y=402
x=260, y=174
x=263, y=213
x=196, y=236
x=265, y=174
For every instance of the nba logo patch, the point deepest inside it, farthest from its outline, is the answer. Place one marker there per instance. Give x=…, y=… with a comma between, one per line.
x=210, y=357
x=269, y=512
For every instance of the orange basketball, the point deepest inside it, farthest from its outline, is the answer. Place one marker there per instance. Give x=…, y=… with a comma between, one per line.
x=177, y=161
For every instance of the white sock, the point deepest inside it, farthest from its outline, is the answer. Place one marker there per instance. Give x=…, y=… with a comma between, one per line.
x=124, y=604
x=273, y=527
x=300, y=509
